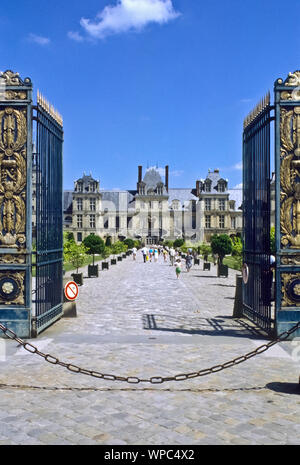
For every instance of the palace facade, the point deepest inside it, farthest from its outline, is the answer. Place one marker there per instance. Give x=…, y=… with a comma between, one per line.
x=154, y=211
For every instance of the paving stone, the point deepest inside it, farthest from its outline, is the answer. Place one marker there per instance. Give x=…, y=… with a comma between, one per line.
x=138, y=320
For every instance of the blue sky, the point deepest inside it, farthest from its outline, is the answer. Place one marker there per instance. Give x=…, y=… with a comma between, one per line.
x=151, y=82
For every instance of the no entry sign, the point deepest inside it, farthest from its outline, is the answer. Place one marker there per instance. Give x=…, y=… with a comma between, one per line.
x=71, y=290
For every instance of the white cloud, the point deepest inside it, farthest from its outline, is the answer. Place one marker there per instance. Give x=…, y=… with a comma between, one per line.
x=238, y=166
x=128, y=15
x=177, y=173
x=75, y=36
x=239, y=186
x=38, y=39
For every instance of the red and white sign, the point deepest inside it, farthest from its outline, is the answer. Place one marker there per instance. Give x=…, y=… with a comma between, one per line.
x=71, y=290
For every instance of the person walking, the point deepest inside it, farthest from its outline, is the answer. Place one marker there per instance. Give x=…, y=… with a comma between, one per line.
x=145, y=253
x=165, y=254
x=188, y=262
x=155, y=255
x=172, y=255
x=150, y=254
x=134, y=251
x=178, y=267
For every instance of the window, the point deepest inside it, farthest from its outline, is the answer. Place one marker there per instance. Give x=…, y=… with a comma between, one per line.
x=79, y=204
x=79, y=221
x=207, y=187
x=207, y=204
x=106, y=224
x=79, y=187
x=233, y=222
x=92, y=204
x=221, y=187
x=175, y=204
x=117, y=223
x=222, y=204
x=79, y=237
x=221, y=221
x=92, y=221
x=207, y=221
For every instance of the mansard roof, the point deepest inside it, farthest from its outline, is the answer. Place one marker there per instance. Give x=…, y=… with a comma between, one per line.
x=153, y=180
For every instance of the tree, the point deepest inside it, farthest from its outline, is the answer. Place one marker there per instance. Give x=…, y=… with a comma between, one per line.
x=221, y=245
x=119, y=247
x=205, y=249
x=168, y=243
x=94, y=245
x=75, y=253
x=237, y=250
x=178, y=243
x=129, y=242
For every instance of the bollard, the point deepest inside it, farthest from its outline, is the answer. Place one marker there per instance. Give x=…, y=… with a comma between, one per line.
x=238, y=300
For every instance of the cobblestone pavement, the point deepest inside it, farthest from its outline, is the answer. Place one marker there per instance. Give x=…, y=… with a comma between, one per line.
x=137, y=319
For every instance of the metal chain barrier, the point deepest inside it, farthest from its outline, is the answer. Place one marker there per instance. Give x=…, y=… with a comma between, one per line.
x=154, y=379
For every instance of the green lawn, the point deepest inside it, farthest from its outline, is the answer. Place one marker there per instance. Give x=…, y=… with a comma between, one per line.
x=230, y=261
x=88, y=261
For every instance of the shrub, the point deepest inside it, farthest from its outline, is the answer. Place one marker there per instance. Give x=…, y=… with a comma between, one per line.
x=221, y=245
x=75, y=253
x=94, y=245
x=129, y=242
x=178, y=243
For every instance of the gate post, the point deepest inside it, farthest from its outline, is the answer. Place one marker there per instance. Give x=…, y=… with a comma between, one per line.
x=287, y=215
x=15, y=202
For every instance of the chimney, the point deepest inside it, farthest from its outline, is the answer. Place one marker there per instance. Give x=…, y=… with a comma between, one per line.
x=197, y=188
x=140, y=174
x=167, y=178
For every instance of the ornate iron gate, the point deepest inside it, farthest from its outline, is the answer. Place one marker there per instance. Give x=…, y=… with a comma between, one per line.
x=24, y=315
x=256, y=214
x=256, y=209
x=47, y=171
x=287, y=159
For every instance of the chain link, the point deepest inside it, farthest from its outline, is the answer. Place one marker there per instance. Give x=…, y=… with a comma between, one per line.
x=154, y=379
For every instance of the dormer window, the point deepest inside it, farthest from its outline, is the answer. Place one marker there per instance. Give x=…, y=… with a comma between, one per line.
x=232, y=204
x=207, y=186
x=79, y=187
x=142, y=188
x=175, y=205
x=222, y=185
x=159, y=189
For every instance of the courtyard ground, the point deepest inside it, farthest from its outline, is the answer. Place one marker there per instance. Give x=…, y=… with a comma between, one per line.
x=138, y=320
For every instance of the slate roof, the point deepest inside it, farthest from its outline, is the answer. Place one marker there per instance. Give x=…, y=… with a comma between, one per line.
x=120, y=199
x=67, y=201
x=214, y=176
x=237, y=195
x=152, y=178
x=181, y=194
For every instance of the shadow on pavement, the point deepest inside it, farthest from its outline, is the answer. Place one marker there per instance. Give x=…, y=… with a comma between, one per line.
x=284, y=388
x=220, y=326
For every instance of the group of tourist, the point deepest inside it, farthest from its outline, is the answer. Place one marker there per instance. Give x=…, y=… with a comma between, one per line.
x=152, y=253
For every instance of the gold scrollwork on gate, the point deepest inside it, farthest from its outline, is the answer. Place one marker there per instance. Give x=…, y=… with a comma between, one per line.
x=290, y=176
x=290, y=288
x=13, y=176
x=12, y=286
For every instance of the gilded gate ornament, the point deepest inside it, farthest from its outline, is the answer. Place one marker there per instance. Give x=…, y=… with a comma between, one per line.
x=13, y=137
x=12, y=288
x=290, y=289
x=290, y=177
